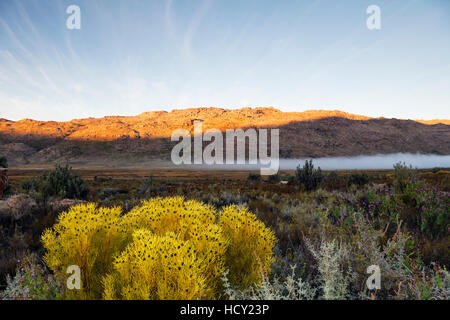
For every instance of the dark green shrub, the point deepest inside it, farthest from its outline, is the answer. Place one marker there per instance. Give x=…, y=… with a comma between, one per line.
x=358, y=179
x=308, y=177
x=62, y=182
x=273, y=178
x=402, y=173
x=291, y=180
x=27, y=185
x=333, y=181
x=254, y=177
x=8, y=190
x=3, y=162
x=435, y=215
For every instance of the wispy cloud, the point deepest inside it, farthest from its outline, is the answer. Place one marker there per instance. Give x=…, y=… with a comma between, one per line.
x=137, y=56
x=194, y=24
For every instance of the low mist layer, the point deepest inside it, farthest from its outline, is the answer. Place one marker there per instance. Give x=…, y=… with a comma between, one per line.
x=382, y=161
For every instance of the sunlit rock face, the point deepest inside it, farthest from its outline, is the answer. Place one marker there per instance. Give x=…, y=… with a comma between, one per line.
x=309, y=134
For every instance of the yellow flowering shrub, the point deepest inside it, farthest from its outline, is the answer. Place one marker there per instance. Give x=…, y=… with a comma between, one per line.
x=170, y=214
x=156, y=267
x=249, y=253
x=165, y=248
x=86, y=236
x=189, y=220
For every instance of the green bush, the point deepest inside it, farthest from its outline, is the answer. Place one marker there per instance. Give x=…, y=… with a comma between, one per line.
x=291, y=180
x=3, y=162
x=332, y=181
x=62, y=182
x=358, y=179
x=402, y=173
x=308, y=177
x=273, y=178
x=254, y=177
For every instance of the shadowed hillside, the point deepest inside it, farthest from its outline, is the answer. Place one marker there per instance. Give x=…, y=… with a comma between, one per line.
x=147, y=136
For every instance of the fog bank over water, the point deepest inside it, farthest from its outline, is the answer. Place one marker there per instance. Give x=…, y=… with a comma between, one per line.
x=382, y=161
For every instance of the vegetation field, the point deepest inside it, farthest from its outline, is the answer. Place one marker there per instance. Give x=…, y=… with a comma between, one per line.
x=185, y=234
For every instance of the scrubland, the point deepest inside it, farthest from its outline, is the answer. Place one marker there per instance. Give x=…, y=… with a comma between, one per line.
x=226, y=235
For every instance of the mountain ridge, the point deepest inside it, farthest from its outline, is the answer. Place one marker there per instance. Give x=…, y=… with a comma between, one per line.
x=312, y=133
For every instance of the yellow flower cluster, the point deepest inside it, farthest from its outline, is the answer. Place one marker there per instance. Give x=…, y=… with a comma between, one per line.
x=161, y=215
x=165, y=248
x=249, y=254
x=86, y=236
x=156, y=267
x=191, y=221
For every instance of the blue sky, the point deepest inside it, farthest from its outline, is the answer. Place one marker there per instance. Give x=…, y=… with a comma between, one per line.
x=134, y=56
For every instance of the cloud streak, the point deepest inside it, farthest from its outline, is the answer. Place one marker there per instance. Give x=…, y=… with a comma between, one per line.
x=135, y=56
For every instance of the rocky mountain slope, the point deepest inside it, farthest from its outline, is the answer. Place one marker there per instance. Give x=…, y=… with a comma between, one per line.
x=120, y=139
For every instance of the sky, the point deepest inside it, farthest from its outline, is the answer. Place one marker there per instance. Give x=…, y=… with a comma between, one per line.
x=134, y=56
